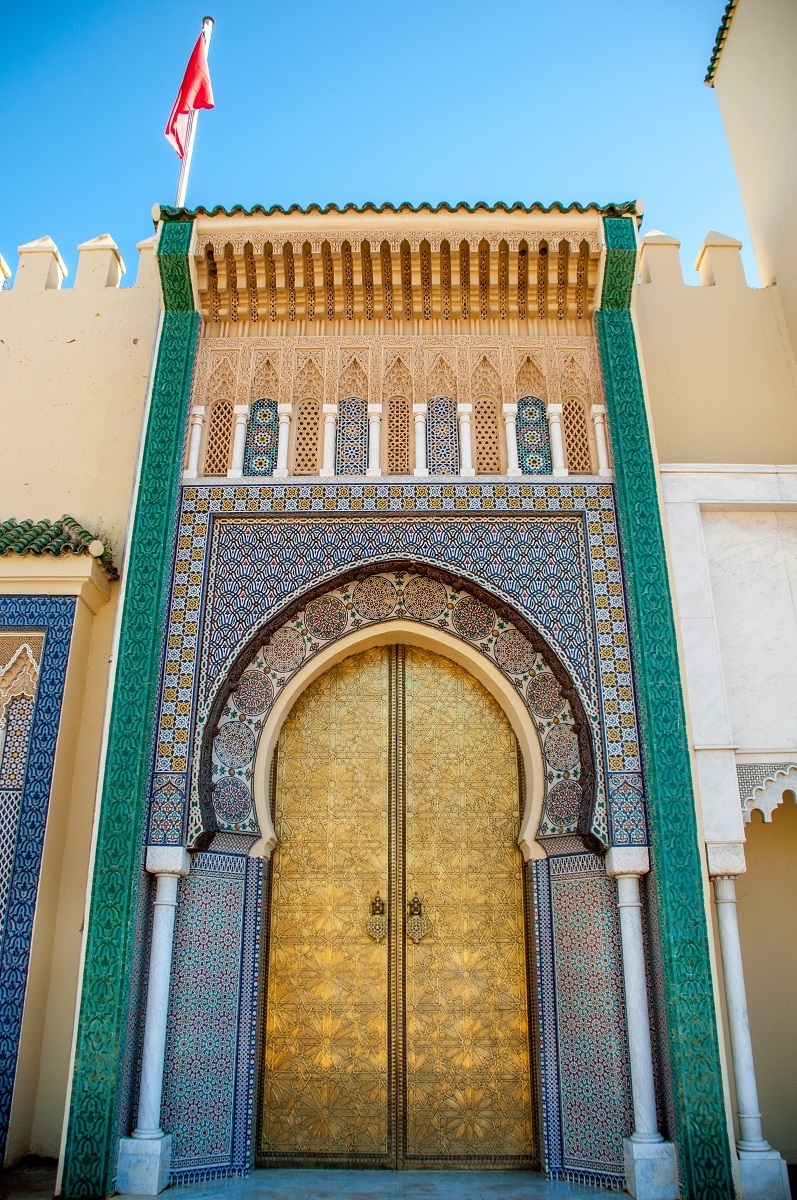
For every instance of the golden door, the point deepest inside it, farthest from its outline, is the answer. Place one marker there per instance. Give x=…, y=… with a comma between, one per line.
x=396, y=775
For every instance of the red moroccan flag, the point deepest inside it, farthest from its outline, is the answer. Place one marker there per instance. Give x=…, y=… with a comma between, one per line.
x=195, y=92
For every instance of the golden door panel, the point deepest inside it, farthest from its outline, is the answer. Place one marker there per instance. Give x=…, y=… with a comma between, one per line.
x=325, y=1073
x=468, y=1089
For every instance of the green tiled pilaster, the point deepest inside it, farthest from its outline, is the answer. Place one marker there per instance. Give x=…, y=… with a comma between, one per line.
x=91, y=1139
x=701, y=1132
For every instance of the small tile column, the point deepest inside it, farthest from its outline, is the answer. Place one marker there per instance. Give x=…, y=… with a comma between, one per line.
x=283, y=438
x=465, y=452
x=419, y=417
x=330, y=421
x=554, y=414
x=598, y=414
x=198, y=413
x=145, y=1157
x=509, y=413
x=650, y=1165
x=763, y=1172
x=241, y=415
x=374, y=427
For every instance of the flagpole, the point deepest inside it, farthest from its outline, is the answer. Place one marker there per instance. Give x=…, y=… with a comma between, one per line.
x=185, y=165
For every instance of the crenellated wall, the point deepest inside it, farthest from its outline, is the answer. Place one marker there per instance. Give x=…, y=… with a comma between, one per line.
x=74, y=364
x=721, y=377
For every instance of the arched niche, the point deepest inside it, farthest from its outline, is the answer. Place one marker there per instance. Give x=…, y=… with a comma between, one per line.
x=508, y=657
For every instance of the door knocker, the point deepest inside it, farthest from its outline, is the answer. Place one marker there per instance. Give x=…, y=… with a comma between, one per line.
x=416, y=921
x=377, y=922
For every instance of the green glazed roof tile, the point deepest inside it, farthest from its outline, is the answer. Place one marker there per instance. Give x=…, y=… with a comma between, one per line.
x=625, y=208
x=64, y=536
x=719, y=41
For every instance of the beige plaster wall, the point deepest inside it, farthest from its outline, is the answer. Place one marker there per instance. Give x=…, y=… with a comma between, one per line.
x=752, y=560
x=720, y=378
x=756, y=86
x=767, y=908
x=74, y=365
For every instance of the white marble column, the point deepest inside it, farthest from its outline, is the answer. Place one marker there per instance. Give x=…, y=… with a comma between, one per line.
x=465, y=449
x=374, y=427
x=554, y=414
x=419, y=417
x=145, y=1157
x=762, y=1169
x=283, y=438
x=650, y=1167
x=330, y=421
x=598, y=414
x=241, y=417
x=509, y=412
x=198, y=413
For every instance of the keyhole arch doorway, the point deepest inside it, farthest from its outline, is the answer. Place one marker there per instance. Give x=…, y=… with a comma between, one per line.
x=405, y=1040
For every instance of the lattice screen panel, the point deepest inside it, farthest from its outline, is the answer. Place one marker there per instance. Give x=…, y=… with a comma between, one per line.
x=398, y=435
x=217, y=450
x=306, y=444
x=577, y=449
x=485, y=424
x=351, y=456
x=442, y=445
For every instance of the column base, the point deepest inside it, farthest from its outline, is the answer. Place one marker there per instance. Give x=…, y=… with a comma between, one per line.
x=764, y=1175
x=324, y=473
x=606, y=473
x=468, y=472
x=188, y=474
x=650, y=1170
x=514, y=471
x=560, y=472
x=143, y=1165
x=421, y=472
x=373, y=472
x=234, y=473
x=279, y=473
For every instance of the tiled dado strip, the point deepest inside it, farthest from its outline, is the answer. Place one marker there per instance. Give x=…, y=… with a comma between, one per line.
x=245, y=552
x=701, y=1131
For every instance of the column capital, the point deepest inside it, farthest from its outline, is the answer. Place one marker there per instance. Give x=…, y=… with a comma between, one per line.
x=509, y=410
x=284, y=410
x=168, y=860
x=330, y=410
x=597, y=410
x=198, y=410
x=627, y=860
x=241, y=410
x=374, y=410
x=553, y=410
x=420, y=410
x=464, y=409
x=725, y=858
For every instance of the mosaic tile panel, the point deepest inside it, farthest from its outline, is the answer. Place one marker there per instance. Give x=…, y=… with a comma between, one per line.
x=18, y=725
x=244, y=552
x=210, y=1045
x=54, y=615
x=586, y=1077
x=262, y=432
x=442, y=440
x=351, y=452
x=533, y=438
x=355, y=606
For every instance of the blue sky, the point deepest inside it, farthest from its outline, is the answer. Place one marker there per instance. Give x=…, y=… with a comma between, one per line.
x=353, y=101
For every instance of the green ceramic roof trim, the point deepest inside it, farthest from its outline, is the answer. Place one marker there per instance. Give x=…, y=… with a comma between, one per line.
x=64, y=536
x=695, y=1078
x=624, y=208
x=95, y=1120
x=719, y=41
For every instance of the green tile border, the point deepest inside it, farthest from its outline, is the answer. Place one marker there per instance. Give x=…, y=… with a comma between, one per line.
x=91, y=1138
x=701, y=1132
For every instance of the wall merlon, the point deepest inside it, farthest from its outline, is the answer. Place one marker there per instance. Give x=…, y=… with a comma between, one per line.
x=660, y=261
x=100, y=264
x=40, y=266
x=719, y=261
x=147, y=274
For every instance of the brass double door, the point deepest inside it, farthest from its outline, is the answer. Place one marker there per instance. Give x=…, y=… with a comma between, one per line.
x=396, y=774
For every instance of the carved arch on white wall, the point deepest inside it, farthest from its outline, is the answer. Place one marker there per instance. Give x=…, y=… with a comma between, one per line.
x=771, y=794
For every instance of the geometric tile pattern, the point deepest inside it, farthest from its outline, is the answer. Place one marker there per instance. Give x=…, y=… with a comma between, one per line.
x=54, y=614
x=442, y=441
x=244, y=552
x=19, y=722
x=210, y=1040
x=752, y=776
x=260, y=453
x=351, y=455
x=353, y=606
x=533, y=439
x=584, y=1052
